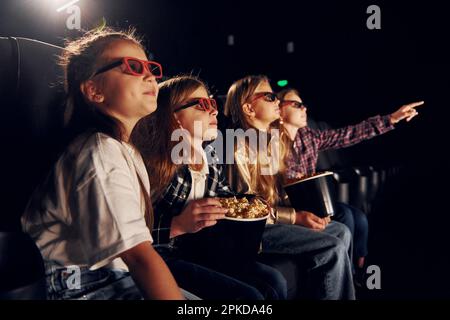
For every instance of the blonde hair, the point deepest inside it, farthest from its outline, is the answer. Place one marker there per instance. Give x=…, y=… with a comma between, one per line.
x=265, y=185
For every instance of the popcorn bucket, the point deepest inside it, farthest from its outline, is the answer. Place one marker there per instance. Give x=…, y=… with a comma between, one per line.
x=229, y=246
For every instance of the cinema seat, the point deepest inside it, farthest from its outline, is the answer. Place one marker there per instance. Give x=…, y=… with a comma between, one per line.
x=354, y=185
x=31, y=108
x=22, y=274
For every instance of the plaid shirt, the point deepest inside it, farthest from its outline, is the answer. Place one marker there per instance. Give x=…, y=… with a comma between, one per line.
x=173, y=199
x=302, y=159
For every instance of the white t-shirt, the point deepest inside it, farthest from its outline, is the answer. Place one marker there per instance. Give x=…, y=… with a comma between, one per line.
x=198, y=180
x=91, y=207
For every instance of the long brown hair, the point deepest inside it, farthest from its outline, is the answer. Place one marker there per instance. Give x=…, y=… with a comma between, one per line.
x=79, y=60
x=240, y=93
x=152, y=134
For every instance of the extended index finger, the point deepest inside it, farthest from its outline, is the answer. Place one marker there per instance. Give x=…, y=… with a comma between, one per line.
x=415, y=104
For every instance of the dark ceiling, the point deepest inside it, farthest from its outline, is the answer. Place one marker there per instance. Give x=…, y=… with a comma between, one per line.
x=191, y=36
x=344, y=71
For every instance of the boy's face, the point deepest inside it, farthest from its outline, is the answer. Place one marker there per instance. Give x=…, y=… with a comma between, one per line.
x=292, y=115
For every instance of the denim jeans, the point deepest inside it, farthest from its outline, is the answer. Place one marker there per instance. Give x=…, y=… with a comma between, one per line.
x=263, y=282
x=268, y=280
x=101, y=284
x=356, y=221
x=321, y=255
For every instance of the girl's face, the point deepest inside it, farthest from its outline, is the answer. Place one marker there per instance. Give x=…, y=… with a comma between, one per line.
x=263, y=105
x=195, y=117
x=123, y=95
x=291, y=114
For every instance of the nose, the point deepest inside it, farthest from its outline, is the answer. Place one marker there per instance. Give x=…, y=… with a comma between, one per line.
x=148, y=76
x=214, y=113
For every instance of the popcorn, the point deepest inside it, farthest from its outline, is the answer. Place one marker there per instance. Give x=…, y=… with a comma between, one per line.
x=244, y=209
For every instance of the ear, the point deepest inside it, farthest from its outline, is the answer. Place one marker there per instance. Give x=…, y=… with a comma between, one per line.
x=177, y=120
x=248, y=110
x=92, y=92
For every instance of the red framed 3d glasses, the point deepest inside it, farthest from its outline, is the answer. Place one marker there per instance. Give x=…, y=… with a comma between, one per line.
x=134, y=67
x=204, y=104
x=293, y=103
x=267, y=96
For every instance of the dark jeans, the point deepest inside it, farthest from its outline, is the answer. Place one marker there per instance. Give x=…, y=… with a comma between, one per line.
x=322, y=255
x=263, y=282
x=356, y=221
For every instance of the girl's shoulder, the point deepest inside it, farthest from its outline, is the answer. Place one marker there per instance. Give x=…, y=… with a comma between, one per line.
x=98, y=152
x=96, y=143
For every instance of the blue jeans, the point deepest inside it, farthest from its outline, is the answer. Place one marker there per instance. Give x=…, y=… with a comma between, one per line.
x=323, y=256
x=263, y=282
x=356, y=221
x=101, y=284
